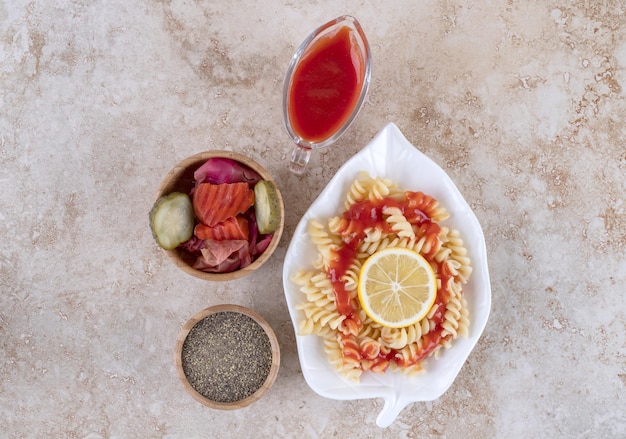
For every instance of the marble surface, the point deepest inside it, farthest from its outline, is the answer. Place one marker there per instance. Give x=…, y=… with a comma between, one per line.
x=521, y=102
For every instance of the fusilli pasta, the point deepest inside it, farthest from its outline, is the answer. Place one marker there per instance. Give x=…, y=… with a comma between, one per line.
x=379, y=215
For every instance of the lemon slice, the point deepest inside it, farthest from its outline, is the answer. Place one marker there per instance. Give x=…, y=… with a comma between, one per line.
x=397, y=287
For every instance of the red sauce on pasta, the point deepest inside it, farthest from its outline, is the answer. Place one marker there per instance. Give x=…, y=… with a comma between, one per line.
x=367, y=214
x=340, y=264
x=360, y=217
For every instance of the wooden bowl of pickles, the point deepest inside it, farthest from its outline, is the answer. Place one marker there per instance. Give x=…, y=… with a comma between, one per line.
x=219, y=215
x=227, y=356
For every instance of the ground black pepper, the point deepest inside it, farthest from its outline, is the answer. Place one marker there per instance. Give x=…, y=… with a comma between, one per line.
x=226, y=356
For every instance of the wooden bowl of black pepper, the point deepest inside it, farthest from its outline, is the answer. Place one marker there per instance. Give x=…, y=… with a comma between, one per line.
x=227, y=356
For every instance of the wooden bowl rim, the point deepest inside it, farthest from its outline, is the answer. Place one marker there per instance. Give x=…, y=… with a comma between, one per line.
x=271, y=376
x=178, y=170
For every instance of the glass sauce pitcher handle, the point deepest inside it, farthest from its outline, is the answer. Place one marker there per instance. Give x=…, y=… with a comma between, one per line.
x=299, y=158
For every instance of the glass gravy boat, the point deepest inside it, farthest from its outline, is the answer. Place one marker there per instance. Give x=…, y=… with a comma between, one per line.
x=325, y=86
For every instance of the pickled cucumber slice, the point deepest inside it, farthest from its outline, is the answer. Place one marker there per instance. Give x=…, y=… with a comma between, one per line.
x=266, y=207
x=172, y=220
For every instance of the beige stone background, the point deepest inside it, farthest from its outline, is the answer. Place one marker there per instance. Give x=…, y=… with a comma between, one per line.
x=521, y=102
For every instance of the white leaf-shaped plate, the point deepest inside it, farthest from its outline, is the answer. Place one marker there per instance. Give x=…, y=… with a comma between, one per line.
x=390, y=155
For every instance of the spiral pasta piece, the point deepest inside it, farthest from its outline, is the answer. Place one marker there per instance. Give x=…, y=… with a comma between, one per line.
x=399, y=223
x=381, y=187
x=358, y=190
x=457, y=257
x=428, y=205
x=351, y=353
x=369, y=248
x=322, y=240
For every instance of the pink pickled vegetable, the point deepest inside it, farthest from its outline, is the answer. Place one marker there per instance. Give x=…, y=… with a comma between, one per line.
x=219, y=170
x=223, y=256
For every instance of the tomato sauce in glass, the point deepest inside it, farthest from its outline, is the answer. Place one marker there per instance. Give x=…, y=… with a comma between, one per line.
x=325, y=87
